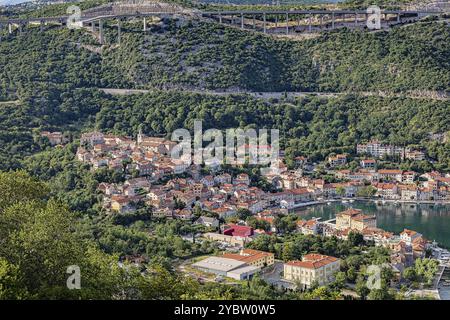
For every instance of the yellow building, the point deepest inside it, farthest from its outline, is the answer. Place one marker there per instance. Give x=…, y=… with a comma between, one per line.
x=120, y=204
x=354, y=219
x=313, y=267
x=252, y=257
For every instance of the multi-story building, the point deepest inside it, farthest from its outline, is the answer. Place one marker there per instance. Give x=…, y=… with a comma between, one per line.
x=409, y=236
x=54, y=137
x=409, y=192
x=408, y=176
x=308, y=227
x=92, y=138
x=414, y=155
x=312, y=268
x=387, y=191
x=391, y=175
x=368, y=163
x=354, y=219
x=338, y=160
x=252, y=257
x=379, y=150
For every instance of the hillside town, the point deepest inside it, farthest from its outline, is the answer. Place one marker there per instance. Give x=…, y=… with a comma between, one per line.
x=175, y=190
x=404, y=248
x=265, y=153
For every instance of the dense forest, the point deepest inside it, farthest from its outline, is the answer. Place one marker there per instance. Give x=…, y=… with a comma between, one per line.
x=205, y=55
x=191, y=54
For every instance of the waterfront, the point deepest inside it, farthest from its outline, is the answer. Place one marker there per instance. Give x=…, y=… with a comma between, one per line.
x=432, y=220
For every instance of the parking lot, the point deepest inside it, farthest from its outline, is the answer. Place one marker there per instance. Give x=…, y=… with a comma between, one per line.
x=273, y=275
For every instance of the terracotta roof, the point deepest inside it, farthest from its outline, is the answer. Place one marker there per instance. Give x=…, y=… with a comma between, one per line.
x=247, y=255
x=390, y=171
x=350, y=212
x=313, y=261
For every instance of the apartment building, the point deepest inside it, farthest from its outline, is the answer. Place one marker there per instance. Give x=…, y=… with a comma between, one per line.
x=379, y=150
x=338, y=160
x=312, y=268
x=354, y=219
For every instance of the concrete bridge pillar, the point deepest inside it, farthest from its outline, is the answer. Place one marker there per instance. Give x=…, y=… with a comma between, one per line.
x=332, y=20
x=145, y=24
x=287, y=23
x=254, y=22
x=119, y=26
x=398, y=17
x=220, y=18
x=9, y=28
x=310, y=22
x=100, y=30
x=242, y=21
x=264, y=22
x=41, y=26
x=356, y=19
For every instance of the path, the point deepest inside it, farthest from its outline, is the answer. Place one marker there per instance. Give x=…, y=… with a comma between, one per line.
x=433, y=95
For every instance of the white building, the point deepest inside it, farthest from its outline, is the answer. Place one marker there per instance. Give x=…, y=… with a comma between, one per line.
x=231, y=268
x=312, y=268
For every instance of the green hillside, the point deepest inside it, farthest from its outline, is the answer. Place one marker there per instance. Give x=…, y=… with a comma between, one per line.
x=201, y=55
x=49, y=81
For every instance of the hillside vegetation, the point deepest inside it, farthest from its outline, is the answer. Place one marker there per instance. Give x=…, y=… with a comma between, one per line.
x=201, y=55
x=49, y=81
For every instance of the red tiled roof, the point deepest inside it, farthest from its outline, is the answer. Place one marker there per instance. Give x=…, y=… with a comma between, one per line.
x=240, y=231
x=313, y=261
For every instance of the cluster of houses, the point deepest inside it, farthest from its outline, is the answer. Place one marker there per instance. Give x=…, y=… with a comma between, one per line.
x=377, y=150
x=220, y=193
x=224, y=194
x=395, y=184
x=405, y=247
x=150, y=156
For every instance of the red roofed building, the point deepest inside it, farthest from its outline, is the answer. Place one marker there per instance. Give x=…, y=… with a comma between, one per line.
x=368, y=163
x=408, y=236
x=354, y=219
x=238, y=231
x=312, y=268
x=252, y=257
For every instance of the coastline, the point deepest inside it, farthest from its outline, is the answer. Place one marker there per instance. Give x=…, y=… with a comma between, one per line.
x=325, y=201
x=401, y=204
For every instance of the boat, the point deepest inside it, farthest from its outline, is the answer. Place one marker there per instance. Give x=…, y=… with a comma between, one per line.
x=344, y=201
x=329, y=202
x=352, y=201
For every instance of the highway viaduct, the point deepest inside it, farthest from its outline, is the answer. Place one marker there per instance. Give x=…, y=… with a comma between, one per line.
x=267, y=21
